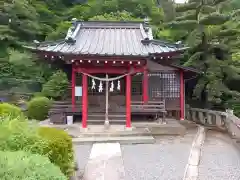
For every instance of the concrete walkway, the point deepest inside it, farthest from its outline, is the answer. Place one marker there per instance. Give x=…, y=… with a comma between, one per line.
x=197, y=156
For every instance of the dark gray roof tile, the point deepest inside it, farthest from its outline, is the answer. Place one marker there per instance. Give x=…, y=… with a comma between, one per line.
x=110, y=38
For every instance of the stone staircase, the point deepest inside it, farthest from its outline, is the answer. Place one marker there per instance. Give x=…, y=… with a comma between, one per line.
x=96, y=115
x=99, y=118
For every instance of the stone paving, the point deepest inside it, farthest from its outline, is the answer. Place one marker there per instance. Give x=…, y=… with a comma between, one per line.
x=168, y=157
x=220, y=159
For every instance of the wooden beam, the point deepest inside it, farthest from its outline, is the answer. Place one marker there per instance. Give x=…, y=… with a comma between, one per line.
x=108, y=70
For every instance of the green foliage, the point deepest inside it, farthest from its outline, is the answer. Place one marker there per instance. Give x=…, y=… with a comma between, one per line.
x=59, y=148
x=186, y=7
x=236, y=56
x=21, y=165
x=38, y=94
x=21, y=73
x=20, y=58
x=19, y=134
x=210, y=29
x=10, y=110
x=214, y=19
x=56, y=86
x=236, y=109
x=207, y=9
x=38, y=107
x=116, y=16
x=60, y=32
x=187, y=24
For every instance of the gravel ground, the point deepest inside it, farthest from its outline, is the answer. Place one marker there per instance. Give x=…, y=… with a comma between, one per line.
x=82, y=153
x=165, y=160
x=220, y=159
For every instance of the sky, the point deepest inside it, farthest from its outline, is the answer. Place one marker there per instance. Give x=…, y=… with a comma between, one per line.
x=180, y=1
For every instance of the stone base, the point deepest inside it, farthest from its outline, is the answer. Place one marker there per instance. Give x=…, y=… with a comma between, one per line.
x=173, y=127
x=115, y=139
x=84, y=129
x=128, y=128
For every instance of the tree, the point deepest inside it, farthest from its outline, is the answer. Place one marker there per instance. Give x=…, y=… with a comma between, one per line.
x=204, y=24
x=20, y=71
x=117, y=16
x=19, y=19
x=57, y=85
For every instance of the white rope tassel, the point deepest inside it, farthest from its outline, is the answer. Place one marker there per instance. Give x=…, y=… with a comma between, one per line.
x=100, y=88
x=118, y=86
x=93, y=84
x=112, y=87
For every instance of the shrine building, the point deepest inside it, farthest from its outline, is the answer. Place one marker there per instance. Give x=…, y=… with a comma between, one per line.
x=118, y=72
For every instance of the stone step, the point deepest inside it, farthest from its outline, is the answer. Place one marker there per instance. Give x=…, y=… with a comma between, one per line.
x=99, y=118
x=103, y=115
x=101, y=121
x=114, y=133
x=110, y=139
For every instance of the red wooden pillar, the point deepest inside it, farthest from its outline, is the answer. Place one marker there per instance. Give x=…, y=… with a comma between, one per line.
x=84, y=100
x=128, y=101
x=73, y=88
x=181, y=95
x=145, y=85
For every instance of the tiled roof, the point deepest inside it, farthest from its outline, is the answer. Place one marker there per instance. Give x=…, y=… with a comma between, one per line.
x=109, y=38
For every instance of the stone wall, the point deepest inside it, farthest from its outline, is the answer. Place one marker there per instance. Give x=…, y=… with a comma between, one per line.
x=224, y=121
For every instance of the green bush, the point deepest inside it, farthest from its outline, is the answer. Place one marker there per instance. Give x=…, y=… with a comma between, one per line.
x=59, y=148
x=38, y=94
x=56, y=86
x=20, y=134
x=21, y=165
x=38, y=107
x=10, y=110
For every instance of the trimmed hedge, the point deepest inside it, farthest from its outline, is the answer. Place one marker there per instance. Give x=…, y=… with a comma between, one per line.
x=10, y=110
x=38, y=108
x=59, y=148
x=21, y=165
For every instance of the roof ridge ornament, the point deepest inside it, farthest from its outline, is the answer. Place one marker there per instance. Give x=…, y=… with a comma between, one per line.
x=146, y=24
x=72, y=31
x=146, y=20
x=147, y=28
